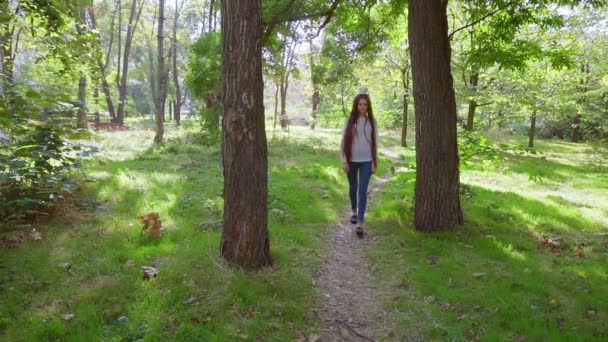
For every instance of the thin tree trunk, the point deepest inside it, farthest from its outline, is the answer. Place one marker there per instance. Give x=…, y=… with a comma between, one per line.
x=178, y=93
x=81, y=117
x=245, y=240
x=315, y=93
x=162, y=81
x=122, y=90
x=532, y=131
x=105, y=86
x=276, y=107
x=437, y=202
x=119, y=54
x=96, y=101
x=472, y=101
x=405, y=107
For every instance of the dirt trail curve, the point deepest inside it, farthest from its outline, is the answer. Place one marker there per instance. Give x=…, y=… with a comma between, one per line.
x=350, y=306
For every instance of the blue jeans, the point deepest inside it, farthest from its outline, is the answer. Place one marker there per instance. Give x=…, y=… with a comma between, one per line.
x=364, y=171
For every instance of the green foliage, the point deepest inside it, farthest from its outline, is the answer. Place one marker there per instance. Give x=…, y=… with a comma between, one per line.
x=34, y=158
x=204, y=76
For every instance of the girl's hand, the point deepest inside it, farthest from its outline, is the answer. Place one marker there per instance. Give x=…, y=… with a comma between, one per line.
x=345, y=167
x=373, y=167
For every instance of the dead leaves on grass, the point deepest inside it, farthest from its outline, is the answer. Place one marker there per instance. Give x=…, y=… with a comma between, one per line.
x=152, y=224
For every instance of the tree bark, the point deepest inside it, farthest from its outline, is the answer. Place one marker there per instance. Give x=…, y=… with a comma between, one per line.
x=404, y=80
x=472, y=101
x=105, y=86
x=437, y=202
x=81, y=116
x=162, y=80
x=532, y=131
x=245, y=240
x=178, y=91
x=122, y=90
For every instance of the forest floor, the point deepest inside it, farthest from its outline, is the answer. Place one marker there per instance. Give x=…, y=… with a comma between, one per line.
x=529, y=263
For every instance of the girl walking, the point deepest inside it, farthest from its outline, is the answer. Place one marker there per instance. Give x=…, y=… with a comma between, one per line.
x=359, y=150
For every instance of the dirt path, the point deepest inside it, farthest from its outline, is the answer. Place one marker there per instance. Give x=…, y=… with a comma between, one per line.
x=350, y=305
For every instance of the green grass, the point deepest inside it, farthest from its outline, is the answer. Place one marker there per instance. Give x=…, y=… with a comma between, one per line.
x=101, y=239
x=489, y=279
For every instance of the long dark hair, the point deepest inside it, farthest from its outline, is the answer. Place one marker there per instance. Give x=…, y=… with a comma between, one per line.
x=352, y=122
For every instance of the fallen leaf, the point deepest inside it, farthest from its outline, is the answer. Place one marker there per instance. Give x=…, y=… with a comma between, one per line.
x=429, y=299
x=580, y=254
x=433, y=260
x=190, y=300
x=67, y=317
x=65, y=265
x=149, y=272
x=313, y=338
x=152, y=223
x=561, y=324
x=36, y=235
x=478, y=274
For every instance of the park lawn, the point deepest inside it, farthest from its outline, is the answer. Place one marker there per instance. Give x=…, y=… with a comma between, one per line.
x=82, y=281
x=491, y=279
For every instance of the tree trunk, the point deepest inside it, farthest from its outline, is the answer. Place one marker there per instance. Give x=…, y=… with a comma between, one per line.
x=162, y=80
x=81, y=116
x=178, y=91
x=283, y=93
x=105, y=86
x=122, y=90
x=472, y=101
x=276, y=107
x=316, y=99
x=532, y=131
x=404, y=126
x=405, y=108
x=245, y=241
x=576, y=124
x=96, y=100
x=7, y=54
x=437, y=202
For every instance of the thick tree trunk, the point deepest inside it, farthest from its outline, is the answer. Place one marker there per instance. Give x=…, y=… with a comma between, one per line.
x=437, y=202
x=245, y=239
x=81, y=116
x=472, y=101
x=532, y=131
x=162, y=80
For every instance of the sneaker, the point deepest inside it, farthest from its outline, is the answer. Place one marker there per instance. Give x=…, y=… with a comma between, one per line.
x=353, y=219
x=359, y=231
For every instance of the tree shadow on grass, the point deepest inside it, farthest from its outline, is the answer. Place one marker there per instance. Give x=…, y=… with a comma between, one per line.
x=91, y=268
x=492, y=272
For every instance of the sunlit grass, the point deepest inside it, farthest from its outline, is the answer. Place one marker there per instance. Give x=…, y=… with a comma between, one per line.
x=196, y=296
x=489, y=279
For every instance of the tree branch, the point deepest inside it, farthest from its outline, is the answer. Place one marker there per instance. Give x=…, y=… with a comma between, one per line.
x=451, y=35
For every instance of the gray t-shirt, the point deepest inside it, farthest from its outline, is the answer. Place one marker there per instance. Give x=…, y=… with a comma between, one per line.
x=362, y=140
